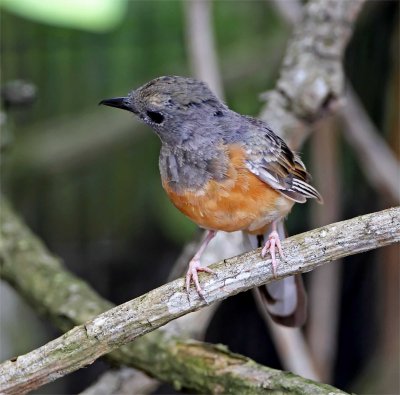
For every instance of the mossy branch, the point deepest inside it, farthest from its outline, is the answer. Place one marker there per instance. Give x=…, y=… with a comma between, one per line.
x=27, y=265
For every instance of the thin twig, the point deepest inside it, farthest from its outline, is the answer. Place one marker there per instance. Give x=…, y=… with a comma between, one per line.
x=62, y=144
x=200, y=39
x=290, y=10
x=290, y=345
x=379, y=164
x=324, y=287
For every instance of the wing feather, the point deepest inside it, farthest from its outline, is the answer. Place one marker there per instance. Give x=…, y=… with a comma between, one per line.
x=270, y=159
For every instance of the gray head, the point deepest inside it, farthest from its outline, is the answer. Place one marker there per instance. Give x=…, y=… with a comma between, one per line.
x=175, y=107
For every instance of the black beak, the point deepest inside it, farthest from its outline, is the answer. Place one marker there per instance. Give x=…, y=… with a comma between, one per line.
x=118, y=102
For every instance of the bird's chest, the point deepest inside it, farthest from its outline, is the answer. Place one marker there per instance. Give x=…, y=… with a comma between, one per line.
x=238, y=201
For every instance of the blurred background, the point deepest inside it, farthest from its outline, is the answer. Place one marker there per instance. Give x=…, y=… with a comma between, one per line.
x=86, y=178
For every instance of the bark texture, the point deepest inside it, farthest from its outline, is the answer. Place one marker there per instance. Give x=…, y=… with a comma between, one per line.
x=311, y=81
x=27, y=264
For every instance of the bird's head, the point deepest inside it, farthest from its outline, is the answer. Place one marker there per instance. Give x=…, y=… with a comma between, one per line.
x=175, y=107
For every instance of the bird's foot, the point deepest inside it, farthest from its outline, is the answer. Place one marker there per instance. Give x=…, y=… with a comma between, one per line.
x=270, y=246
x=191, y=275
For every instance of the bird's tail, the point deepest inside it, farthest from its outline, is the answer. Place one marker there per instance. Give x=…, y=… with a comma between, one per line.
x=285, y=300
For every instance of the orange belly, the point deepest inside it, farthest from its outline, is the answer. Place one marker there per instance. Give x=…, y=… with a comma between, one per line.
x=241, y=202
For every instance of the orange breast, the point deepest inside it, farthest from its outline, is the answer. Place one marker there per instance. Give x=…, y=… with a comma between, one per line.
x=241, y=202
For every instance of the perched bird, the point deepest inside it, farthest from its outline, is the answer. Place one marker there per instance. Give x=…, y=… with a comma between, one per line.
x=226, y=172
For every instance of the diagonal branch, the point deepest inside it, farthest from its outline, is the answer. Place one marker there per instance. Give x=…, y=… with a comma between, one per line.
x=122, y=324
x=378, y=161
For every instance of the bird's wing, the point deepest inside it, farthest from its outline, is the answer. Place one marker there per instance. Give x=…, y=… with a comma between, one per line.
x=270, y=159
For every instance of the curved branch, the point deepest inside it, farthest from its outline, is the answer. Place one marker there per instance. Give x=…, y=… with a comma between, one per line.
x=120, y=325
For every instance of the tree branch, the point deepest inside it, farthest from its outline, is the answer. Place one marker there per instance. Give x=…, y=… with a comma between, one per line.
x=124, y=381
x=122, y=324
x=201, y=44
x=312, y=77
x=377, y=160
x=137, y=354
x=63, y=144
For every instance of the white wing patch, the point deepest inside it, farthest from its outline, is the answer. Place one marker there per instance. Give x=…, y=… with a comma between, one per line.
x=264, y=175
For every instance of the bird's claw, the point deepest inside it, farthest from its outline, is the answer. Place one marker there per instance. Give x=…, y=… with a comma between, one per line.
x=270, y=246
x=191, y=275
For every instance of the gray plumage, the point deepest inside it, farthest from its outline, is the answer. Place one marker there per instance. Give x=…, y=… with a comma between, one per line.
x=195, y=128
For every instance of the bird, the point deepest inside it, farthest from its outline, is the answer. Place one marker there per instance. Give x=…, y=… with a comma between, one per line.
x=226, y=172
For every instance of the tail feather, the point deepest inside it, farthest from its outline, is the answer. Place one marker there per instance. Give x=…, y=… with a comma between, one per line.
x=290, y=308
x=306, y=190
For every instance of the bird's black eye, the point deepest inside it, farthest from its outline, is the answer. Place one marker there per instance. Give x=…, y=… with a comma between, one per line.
x=156, y=117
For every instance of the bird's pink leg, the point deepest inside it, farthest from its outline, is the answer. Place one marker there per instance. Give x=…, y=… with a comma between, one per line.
x=194, y=264
x=270, y=246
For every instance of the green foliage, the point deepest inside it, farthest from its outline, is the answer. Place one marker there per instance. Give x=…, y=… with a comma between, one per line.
x=92, y=15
